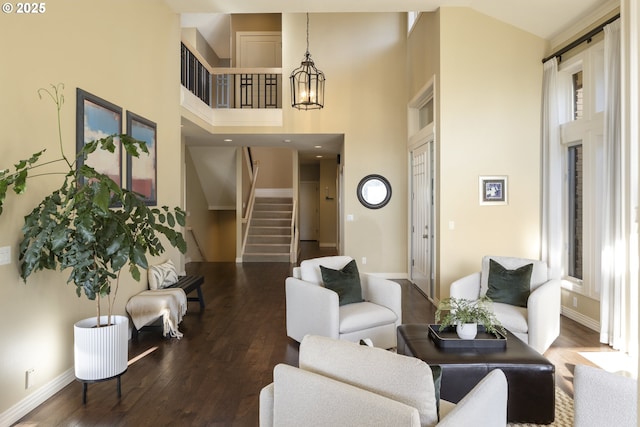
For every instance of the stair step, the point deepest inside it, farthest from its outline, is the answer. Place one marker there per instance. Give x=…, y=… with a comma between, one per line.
x=265, y=258
x=258, y=207
x=272, y=214
x=288, y=200
x=260, y=239
x=267, y=248
x=270, y=231
x=270, y=222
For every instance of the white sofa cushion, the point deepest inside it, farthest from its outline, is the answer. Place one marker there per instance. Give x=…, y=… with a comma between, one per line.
x=512, y=317
x=405, y=379
x=302, y=395
x=363, y=315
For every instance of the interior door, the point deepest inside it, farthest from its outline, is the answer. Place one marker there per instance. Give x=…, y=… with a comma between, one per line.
x=309, y=210
x=258, y=49
x=423, y=213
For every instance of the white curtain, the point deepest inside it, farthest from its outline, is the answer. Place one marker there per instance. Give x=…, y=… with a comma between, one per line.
x=552, y=170
x=614, y=289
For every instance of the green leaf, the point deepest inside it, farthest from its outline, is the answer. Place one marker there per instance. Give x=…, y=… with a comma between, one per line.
x=59, y=238
x=170, y=220
x=120, y=259
x=21, y=182
x=135, y=272
x=138, y=256
x=115, y=245
x=102, y=198
x=181, y=217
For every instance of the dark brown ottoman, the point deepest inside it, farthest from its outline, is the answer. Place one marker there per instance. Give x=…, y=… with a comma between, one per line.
x=530, y=376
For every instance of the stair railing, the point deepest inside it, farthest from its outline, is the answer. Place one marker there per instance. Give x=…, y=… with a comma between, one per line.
x=246, y=220
x=198, y=247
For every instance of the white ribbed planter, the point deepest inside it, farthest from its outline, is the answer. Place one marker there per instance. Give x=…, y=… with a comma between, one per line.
x=100, y=353
x=467, y=331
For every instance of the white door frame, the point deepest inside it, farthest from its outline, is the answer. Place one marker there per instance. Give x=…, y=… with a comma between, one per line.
x=419, y=135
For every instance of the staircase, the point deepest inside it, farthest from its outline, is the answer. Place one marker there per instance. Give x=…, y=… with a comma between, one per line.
x=269, y=234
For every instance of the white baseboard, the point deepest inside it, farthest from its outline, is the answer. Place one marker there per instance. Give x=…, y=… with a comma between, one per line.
x=35, y=399
x=580, y=318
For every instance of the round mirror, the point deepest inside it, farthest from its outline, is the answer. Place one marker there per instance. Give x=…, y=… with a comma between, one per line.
x=374, y=191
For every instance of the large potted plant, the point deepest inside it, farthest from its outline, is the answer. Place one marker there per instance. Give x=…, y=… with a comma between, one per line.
x=466, y=315
x=93, y=228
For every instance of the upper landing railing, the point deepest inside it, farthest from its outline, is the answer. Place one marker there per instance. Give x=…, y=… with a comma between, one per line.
x=230, y=87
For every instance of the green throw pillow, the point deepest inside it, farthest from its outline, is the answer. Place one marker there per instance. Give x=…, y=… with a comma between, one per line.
x=509, y=286
x=345, y=282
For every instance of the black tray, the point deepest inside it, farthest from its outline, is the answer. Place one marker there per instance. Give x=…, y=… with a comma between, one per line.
x=448, y=339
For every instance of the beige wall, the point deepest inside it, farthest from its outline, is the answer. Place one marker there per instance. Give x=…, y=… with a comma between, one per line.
x=488, y=116
x=252, y=22
x=124, y=52
x=197, y=41
x=366, y=101
x=328, y=232
x=369, y=107
x=275, y=166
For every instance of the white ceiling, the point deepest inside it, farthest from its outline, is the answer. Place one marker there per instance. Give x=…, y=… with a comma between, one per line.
x=310, y=146
x=544, y=18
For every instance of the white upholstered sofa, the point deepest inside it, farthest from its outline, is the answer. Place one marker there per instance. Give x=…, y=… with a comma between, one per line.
x=313, y=309
x=537, y=324
x=341, y=383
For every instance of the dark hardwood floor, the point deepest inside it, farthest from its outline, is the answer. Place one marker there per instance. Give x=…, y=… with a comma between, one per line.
x=213, y=375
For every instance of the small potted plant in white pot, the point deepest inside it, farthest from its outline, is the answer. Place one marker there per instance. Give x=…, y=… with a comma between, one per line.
x=466, y=315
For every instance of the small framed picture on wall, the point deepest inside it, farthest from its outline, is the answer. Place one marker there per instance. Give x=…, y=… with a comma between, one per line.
x=142, y=175
x=493, y=190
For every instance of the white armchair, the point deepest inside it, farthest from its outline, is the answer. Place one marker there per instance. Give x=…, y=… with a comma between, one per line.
x=604, y=398
x=340, y=383
x=313, y=309
x=537, y=324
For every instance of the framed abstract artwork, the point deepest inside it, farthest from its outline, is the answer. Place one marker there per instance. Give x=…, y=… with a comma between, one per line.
x=493, y=190
x=142, y=175
x=96, y=119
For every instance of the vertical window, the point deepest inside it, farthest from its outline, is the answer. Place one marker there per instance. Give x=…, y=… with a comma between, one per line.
x=575, y=210
x=578, y=95
x=425, y=114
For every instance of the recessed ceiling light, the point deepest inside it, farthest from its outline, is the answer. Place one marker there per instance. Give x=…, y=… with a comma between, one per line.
x=318, y=146
x=228, y=140
x=286, y=140
x=318, y=156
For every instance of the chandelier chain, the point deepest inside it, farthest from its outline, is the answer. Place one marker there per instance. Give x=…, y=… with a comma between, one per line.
x=307, y=32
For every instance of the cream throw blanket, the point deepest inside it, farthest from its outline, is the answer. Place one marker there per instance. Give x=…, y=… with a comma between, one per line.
x=147, y=306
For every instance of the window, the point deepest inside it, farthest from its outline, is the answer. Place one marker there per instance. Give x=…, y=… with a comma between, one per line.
x=577, y=95
x=425, y=114
x=582, y=142
x=574, y=219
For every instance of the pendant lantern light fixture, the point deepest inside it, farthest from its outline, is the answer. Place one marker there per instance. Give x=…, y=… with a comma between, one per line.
x=307, y=83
